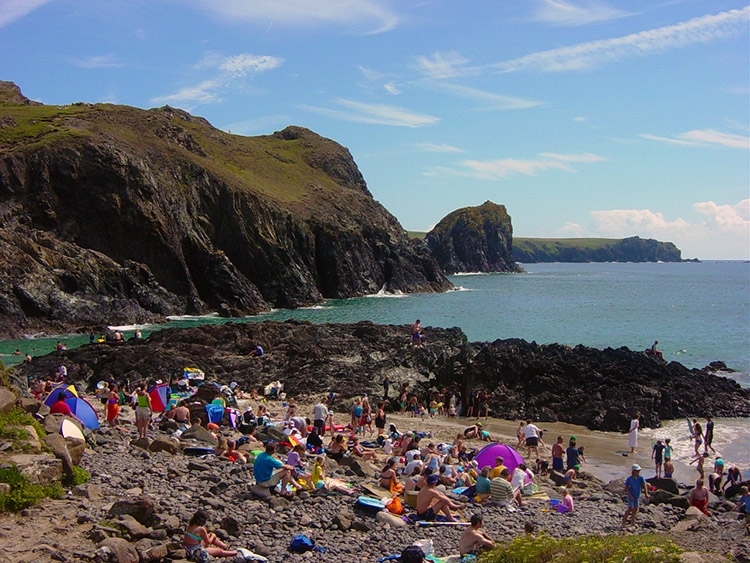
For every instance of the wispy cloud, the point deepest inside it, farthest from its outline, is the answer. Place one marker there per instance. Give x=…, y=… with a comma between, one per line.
x=391, y=88
x=502, y=168
x=261, y=125
x=369, y=15
x=596, y=53
x=704, y=138
x=430, y=147
x=565, y=12
x=11, y=10
x=488, y=101
x=379, y=114
x=102, y=61
x=443, y=65
x=724, y=231
x=227, y=71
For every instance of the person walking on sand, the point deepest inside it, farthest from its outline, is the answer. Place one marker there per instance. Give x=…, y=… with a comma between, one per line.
x=532, y=435
x=635, y=424
x=634, y=486
x=697, y=435
x=657, y=454
x=709, y=435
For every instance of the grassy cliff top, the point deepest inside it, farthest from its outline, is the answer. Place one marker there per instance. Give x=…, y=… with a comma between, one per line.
x=295, y=168
x=473, y=218
x=557, y=243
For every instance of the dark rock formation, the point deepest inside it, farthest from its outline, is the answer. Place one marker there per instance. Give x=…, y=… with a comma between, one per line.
x=114, y=215
x=601, y=389
x=474, y=239
x=631, y=249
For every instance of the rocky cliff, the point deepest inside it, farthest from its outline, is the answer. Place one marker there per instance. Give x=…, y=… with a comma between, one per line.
x=631, y=249
x=112, y=214
x=474, y=239
x=601, y=389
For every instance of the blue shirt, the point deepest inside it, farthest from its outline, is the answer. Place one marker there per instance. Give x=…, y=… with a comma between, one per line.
x=572, y=457
x=483, y=485
x=264, y=466
x=635, y=485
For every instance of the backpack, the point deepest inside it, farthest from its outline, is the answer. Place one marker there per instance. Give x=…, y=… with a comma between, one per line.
x=412, y=554
x=302, y=543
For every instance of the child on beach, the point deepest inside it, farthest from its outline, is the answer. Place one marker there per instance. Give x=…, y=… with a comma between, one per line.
x=700, y=458
x=634, y=485
x=197, y=539
x=668, y=467
x=699, y=497
x=567, y=500
x=657, y=453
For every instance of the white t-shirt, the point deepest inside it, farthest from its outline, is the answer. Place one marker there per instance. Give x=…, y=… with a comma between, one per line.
x=519, y=478
x=531, y=431
x=411, y=465
x=410, y=455
x=320, y=412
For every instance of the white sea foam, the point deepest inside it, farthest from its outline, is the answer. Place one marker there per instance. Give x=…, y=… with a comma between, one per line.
x=471, y=274
x=192, y=317
x=316, y=307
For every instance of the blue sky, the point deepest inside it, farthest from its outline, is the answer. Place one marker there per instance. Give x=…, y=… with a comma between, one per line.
x=583, y=117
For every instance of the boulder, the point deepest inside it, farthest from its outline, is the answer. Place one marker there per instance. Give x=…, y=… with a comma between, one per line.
x=141, y=508
x=133, y=527
x=197, y=432
x=119, y=551
x=692, y=513
x=557, y=478
x=231, y=525
x=733, y=490
x=665, y=497
x=265, y=433
x=359, y=467
x=89, y=491
x=392, y=520
x=616, y=486
x=53, y=422
x=142, y=443
x=59, y=448
x=29, y=405
x=664, y=484
x=41, y=469
x=7, y=399
x=343, y=521
x=162, y=445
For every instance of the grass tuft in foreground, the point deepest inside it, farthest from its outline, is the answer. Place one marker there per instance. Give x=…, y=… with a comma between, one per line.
x=648, y=548
x=22, y=493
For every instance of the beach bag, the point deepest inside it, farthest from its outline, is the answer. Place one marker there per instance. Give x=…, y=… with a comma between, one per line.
x=394, y=506
x=301, y=544
x=215, y=413
x=200, y=555
x=412, y=554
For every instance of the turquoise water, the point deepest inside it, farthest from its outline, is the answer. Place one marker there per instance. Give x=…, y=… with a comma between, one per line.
x=698, y=312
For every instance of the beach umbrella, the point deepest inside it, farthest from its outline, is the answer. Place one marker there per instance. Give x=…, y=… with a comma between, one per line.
x=84, y=411
x=159, y=397
x=69, y=390
x=193, y=374
x=487, y=455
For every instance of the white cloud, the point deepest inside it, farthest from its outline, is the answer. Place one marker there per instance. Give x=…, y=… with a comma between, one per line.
x=103, y=61
x=579, y=118
x=488, y=100
x=371, y=15
x=704, y=137
x=203, y=93
x=240, y=65
x=430, y=147
x=371, y=74
x=596, y=53
x=586, y=157
x=501, y=168
x=570, y=229
x=562, y=12
x=378, y=114
x=261, y=125
x=11, y=10
x=724, y=233
x=229, y=70
x=443, y=65
x=391, y=88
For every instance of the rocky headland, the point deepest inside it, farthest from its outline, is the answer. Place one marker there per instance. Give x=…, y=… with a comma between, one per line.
x=474, y=239
x=114, y=215
x=631, y=249
x=600, y=389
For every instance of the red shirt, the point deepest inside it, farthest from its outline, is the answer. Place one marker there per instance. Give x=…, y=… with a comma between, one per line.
x=60, y=407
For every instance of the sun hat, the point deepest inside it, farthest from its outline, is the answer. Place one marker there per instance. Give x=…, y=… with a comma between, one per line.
x=432, y=479
x=635, y=467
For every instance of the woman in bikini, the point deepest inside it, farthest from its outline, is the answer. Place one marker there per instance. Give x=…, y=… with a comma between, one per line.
x=388, y=479
x=197, y=538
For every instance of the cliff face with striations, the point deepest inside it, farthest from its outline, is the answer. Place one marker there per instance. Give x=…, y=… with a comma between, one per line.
x=631, y=249
x=474, y=239
x=112, y=214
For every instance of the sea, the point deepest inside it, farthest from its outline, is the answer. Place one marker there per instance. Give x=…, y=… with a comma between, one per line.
x=698, y=311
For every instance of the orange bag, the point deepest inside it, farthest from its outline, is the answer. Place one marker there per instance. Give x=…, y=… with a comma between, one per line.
x=395, y=506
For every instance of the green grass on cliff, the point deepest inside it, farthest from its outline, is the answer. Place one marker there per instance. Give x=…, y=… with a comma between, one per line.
x=554, y=244
x=646, y=548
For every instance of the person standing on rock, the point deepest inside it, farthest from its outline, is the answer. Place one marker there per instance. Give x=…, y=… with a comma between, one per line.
x=557, y=455
x=634, y=486
x=657, y=454
x=635, y=424
x=416, y=334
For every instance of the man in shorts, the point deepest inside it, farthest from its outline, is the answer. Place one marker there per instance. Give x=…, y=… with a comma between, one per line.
x=431, y=502
x=320, y=413
x=634, y=485
x=531, y=432
x=269, y=471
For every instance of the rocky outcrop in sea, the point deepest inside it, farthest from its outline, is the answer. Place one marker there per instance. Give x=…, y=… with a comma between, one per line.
x=597, y=388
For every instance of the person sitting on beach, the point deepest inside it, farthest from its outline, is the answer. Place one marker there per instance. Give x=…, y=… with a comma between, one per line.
x=411, y=481
x=457, y=444
x=263, y=417
x=521, y=475
x=388, y=479
x=256, y=352
x=336, y=448
x=463, y=455
x=182, y=415
x=228, y=449
x=473, y=539
x=365, y=453
x=656, y=353
x=567, y=499
x=483, y=484
x=743, y=506
x=446, y=479
x=320, y=481
x=634, y=485
x=498, y=469
x=415, y=462
x=668, y=467
x=291, y=410
x=197, y=538
x=472, y=431
x=431, y=502
x=269, y=471
x=734, y=477
x=61, y=407
x=699, y=497
x=422, y=481
x=501, y=491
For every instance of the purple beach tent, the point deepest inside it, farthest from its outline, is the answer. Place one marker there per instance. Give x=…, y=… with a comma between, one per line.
x=487, y=455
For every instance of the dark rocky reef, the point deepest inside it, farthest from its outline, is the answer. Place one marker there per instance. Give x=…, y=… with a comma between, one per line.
x=631, y=249
x=601, y=389
x=114, y=215
x=474, y=239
